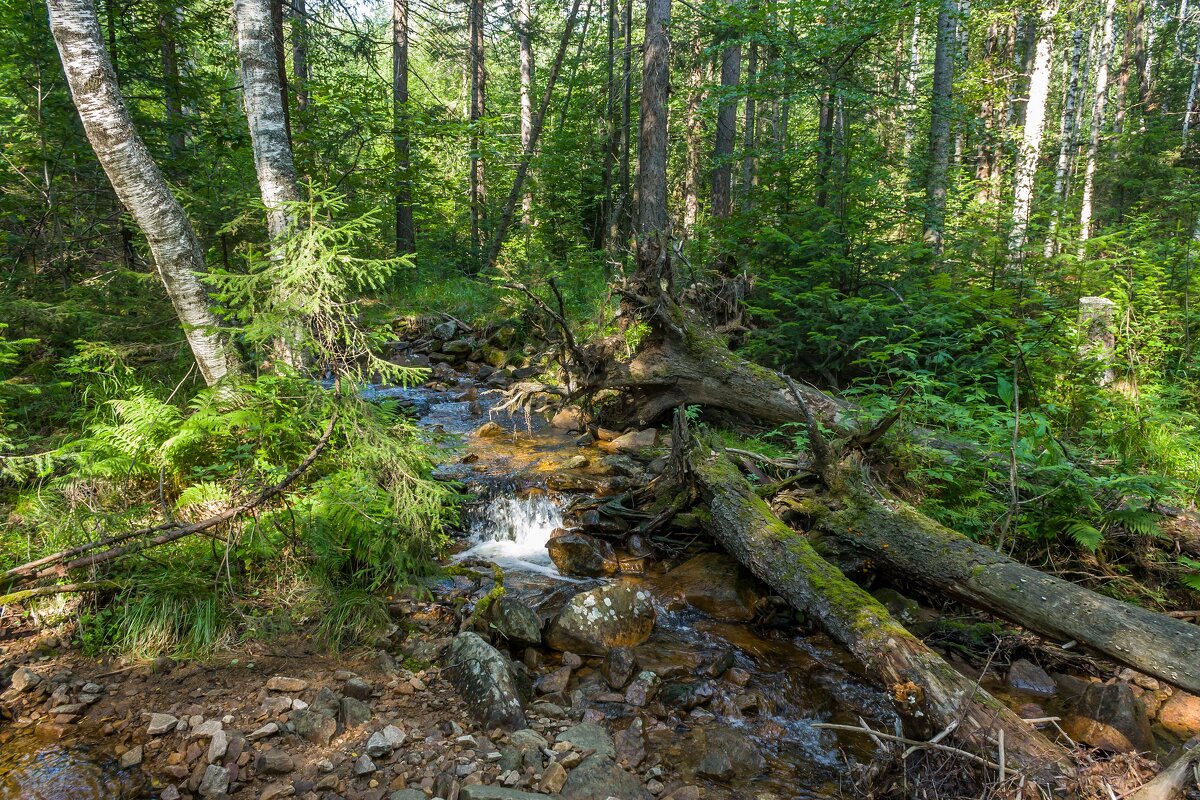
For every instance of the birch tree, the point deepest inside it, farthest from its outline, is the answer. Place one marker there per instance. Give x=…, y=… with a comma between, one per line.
x=939, y=127
x=1031, y=140
x=525, y=40
x=138, y=182
x=1066, y=141
x=1099, y=99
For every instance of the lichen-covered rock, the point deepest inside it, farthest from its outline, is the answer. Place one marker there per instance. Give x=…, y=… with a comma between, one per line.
x=485, y=679
x=515, y=621
x=593, y=622
x=580, y=554
x=715, y=584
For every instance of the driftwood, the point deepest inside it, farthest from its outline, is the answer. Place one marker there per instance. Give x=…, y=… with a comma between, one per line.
x=1174, y=780
x=58, y=564
x=927, y=690
x=909, y=543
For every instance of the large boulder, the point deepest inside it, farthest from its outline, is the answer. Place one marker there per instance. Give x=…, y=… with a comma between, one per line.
x=1108, y=716
x=593, y=622
x=599, y=777
x=580, y=554
x=715, y=584
x=720, y=753
x=515, y=621
x=485, y=678
x=1180, y=715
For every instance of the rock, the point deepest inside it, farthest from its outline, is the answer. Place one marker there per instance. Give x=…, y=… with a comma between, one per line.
x=363, y=766
x=378, y=746
x=279, y=683
x=215, y=782
x=273, y=762
x=496, y=358
x=206, y=729
x=458, y=347
x=486, y=681
x=315, y=726
x=170, y=793
x=553, y=682
x=634, y=442
x=276, y=791
x=715, y=584
x=504, y=336
x=411, y=794
x=131, y=757
x=1025, y=676
x=270, y=729
x=593, y=622
x=631, y=744
x=161, y=723
x=480, y=792
x=490, y=430
x=581, y=554
x=575, y=462
x=358, y=689
x=395, y=737
x=570, y=418
x=618, y=667
x=643, y=688
x=445, y=331
x=355, y=713
x=553, y=778
x=599, y=778
x=721, y=753
x=217, y=746
x=24, y=679
x=515, y=621
x=1109, y=717
x=1180, y=715
x=589, y=737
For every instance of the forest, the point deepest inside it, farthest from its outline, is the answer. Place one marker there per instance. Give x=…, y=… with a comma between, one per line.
x=597, y=399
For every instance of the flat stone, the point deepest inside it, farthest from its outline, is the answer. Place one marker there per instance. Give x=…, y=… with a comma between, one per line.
x=598, y=778
x=161, y=723
x=206, y=729
x=553, y=779
x=553, y=682
x=270, y=729
x=215, y=782
x=635, y=441
x=274, y=762
x=481, y=792
x=275, y=791
x=24, y=679
x=1025, y=676
x=589, y=736
x=358, y=689
x=280, y=683
x=131, y=757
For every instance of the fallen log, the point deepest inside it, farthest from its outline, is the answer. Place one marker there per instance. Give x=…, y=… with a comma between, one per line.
x=911, y=544
x=927, y=690
x=1173, y=781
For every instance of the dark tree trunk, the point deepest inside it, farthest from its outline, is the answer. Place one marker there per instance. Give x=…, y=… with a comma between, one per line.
x=281, y=64
x=300, y=57
x=478, y=78
x=653, y=256
x=168, y=19
x=939, y=128
x=726, y=134
x=406, y=235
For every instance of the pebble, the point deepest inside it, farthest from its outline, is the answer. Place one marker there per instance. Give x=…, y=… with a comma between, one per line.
x=270, y=729
x=364, y=766
x=280, y=683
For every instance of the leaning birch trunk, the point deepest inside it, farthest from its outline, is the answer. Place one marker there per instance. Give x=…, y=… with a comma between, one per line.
x=1104, y=54
x=138, y=182
x=927, y=691
x=1066, y=142
x=1031, y=142
x=939, y=128
x=908, y=543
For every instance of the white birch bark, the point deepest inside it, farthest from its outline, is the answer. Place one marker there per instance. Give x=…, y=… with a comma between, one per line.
x=1104, y=55
x=1066, y=141
x=138, y=182
x=1189, y=109
x=1031, y=140
x=524, y=21
x=910, y=84
x=265, y=113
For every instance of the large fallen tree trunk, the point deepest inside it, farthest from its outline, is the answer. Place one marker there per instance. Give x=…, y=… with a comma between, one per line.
x=926, y=688
x=919, y=549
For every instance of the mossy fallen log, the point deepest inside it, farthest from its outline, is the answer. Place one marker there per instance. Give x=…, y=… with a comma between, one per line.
x=910, y=544
x=930, y=693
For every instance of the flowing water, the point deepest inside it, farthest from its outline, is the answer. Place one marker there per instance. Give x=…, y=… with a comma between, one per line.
x=35, y=766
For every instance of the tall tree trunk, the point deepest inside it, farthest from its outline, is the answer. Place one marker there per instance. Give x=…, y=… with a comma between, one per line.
x=168, y=19
x=1104, y=51
x=1066, y=141
x=1123, y=78
x=608, y=129
x=524, y=23
x=653, y=253
x=695, y=134
x=962, y=50
x=535, y=133
x=266, y=113
x=910, y=84
x=749, y=171
x=276, y=8
x=939, y=128
x=138, y=182
x=722, y=173
x=478, y=78
x=300, y=57
x=1189, y=109
x=1031, y=141
x=825, y=123
x=406, y=234
x=985, y=150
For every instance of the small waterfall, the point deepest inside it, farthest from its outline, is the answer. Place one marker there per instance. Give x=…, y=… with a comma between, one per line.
x=513, y=531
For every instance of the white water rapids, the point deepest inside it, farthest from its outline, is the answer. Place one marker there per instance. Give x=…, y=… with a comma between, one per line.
x=513, y=531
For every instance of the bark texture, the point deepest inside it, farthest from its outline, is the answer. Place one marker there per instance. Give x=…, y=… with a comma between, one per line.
x=138, y=181
x=939, y=128
x=722, y=174
x=406, y=235
x=1104, y=51
x=653, y=262
x=1066, y=140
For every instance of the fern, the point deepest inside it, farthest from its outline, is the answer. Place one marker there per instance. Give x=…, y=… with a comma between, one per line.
x=1085, y=535
x=1191, y=578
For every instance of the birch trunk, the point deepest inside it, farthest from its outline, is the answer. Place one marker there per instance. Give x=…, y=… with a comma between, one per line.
x=653, y=262
x=722, y=175
x=1190, y=108
x=1104, y=55
x=910, y=84
x=695, y=133
x=406, y=235
x=1031, y=141
x=276, y=7
x=478, y=79
x=300, y=56
x=1066, y=142
x=939, y=128
x=524, y=21
x=138, y=182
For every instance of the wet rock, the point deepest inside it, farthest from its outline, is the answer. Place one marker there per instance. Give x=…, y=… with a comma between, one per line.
x=515, y=621
x=687, y=695
x=595, y=621
x=635, y=441
x=715, y=584
x=215, y=782
x=486, y=681
x=581, y=554
x=489, y=430
x=643, y=689
x=618, y=667
x=1109, y=717
x=315, y=726
x=553, y=682
x=358, y=689
x=1180, y=715
x=355, y=713
x=590, y=738
x=280, y=683
x=131, y=758
x=24, y=679
x=575, y=462
x=721, y=753
x=1025, y=676
x=161, y=723
x=599, y=778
